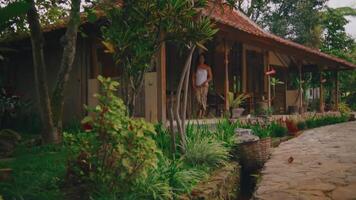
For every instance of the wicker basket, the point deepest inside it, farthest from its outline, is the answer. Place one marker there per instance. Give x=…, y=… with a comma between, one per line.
x=254, y=154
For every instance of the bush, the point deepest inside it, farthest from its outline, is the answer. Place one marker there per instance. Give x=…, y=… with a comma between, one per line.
x=115, y=151
x=225, y=132
x=291, y=126
x=344, y=108
x=260, y=131
x=326, y=120
x=163, y=139
x=205, y=150
x=301, y=125
x=277, y=130
x=171, y=179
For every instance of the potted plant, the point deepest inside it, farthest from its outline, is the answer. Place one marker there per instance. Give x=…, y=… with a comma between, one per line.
x=235, y=103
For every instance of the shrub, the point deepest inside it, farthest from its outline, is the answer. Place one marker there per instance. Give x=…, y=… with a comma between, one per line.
x=325, y=120
x=225, y=132
x=301, y=125
x=163, y=139
x=115, y=151
x=205, y=150
x=260, y=131
x=277, y=130
x=171, y=179
x=344, y=108
x=291, y=126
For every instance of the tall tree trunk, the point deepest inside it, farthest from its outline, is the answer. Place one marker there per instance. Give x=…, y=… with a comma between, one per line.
x=70, y=43
x=49, y=133
x=51, y=109
x=181, y=128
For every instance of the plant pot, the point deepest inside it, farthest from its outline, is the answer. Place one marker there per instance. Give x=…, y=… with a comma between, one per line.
x=262, y=106
x=254, y=154
x=236, y=112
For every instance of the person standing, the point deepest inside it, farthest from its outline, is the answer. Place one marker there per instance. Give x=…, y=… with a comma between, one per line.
x=201, y=78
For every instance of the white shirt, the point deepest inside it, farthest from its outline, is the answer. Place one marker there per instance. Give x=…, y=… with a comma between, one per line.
x=201, y=76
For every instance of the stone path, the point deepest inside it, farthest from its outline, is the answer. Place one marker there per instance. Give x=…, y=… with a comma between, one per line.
x=323, y=166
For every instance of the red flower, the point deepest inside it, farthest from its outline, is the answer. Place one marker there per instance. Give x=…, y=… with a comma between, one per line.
x=87, y=127
x=291, y=126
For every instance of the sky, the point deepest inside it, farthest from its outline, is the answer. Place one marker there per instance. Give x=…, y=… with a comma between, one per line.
x=351, y=27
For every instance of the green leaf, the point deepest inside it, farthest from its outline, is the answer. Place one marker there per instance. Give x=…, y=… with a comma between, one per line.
x=87, y=119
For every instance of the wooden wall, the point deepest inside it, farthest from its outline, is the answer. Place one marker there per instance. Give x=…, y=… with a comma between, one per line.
x=20, y=67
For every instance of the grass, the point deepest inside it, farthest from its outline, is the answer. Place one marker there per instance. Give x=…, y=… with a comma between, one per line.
x=37, y=173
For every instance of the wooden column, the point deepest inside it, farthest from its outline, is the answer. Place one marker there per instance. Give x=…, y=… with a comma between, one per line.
x=321, y=94
x=226, y=80
x=244, y=69
x=268, y=80
x=301, y=109
x=337, y=93
x=161, y=83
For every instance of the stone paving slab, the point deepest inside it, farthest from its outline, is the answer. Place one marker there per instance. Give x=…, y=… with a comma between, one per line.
x=323, y=166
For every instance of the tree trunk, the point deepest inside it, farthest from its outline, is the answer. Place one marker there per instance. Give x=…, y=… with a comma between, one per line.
x=69, y=41
x=181, y=128
x=49, y=133
x=51, y=110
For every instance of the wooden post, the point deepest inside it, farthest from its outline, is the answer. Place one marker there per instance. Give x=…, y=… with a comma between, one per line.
x=95, y=71
x=301, y=109
x=337, y=93
x=268, y=82
x=161, y=83
x=244, y=69
x=321, y=98
x=226, y=83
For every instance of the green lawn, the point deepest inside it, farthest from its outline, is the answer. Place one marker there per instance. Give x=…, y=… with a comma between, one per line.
x=37, y=173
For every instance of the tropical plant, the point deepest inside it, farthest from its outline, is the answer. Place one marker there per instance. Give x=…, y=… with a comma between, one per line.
x=344, y=108
x=163, y=140
x=225, y=132
x=274, y=82
x=301, y=125
x=116, y=150
x=277, y=130
x=260, y=131
x=292, y=126
x=205, y=150
x=236, y=102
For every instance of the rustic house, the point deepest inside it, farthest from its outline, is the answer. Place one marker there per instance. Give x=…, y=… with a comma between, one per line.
x=240, y=55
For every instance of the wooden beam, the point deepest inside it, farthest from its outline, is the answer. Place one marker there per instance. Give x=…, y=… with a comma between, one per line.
x=281, y=59
x=272, y=45
x=161, y=83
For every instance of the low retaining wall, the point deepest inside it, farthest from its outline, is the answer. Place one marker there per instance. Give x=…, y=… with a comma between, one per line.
x=223, y=184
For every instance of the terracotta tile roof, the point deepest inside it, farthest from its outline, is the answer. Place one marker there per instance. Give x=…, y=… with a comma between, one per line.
x=234, y=18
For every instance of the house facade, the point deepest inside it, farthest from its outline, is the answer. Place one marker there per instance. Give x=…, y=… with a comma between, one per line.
x=240, y=56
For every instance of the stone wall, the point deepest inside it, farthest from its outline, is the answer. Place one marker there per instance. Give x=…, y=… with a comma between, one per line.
x=223, y=184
